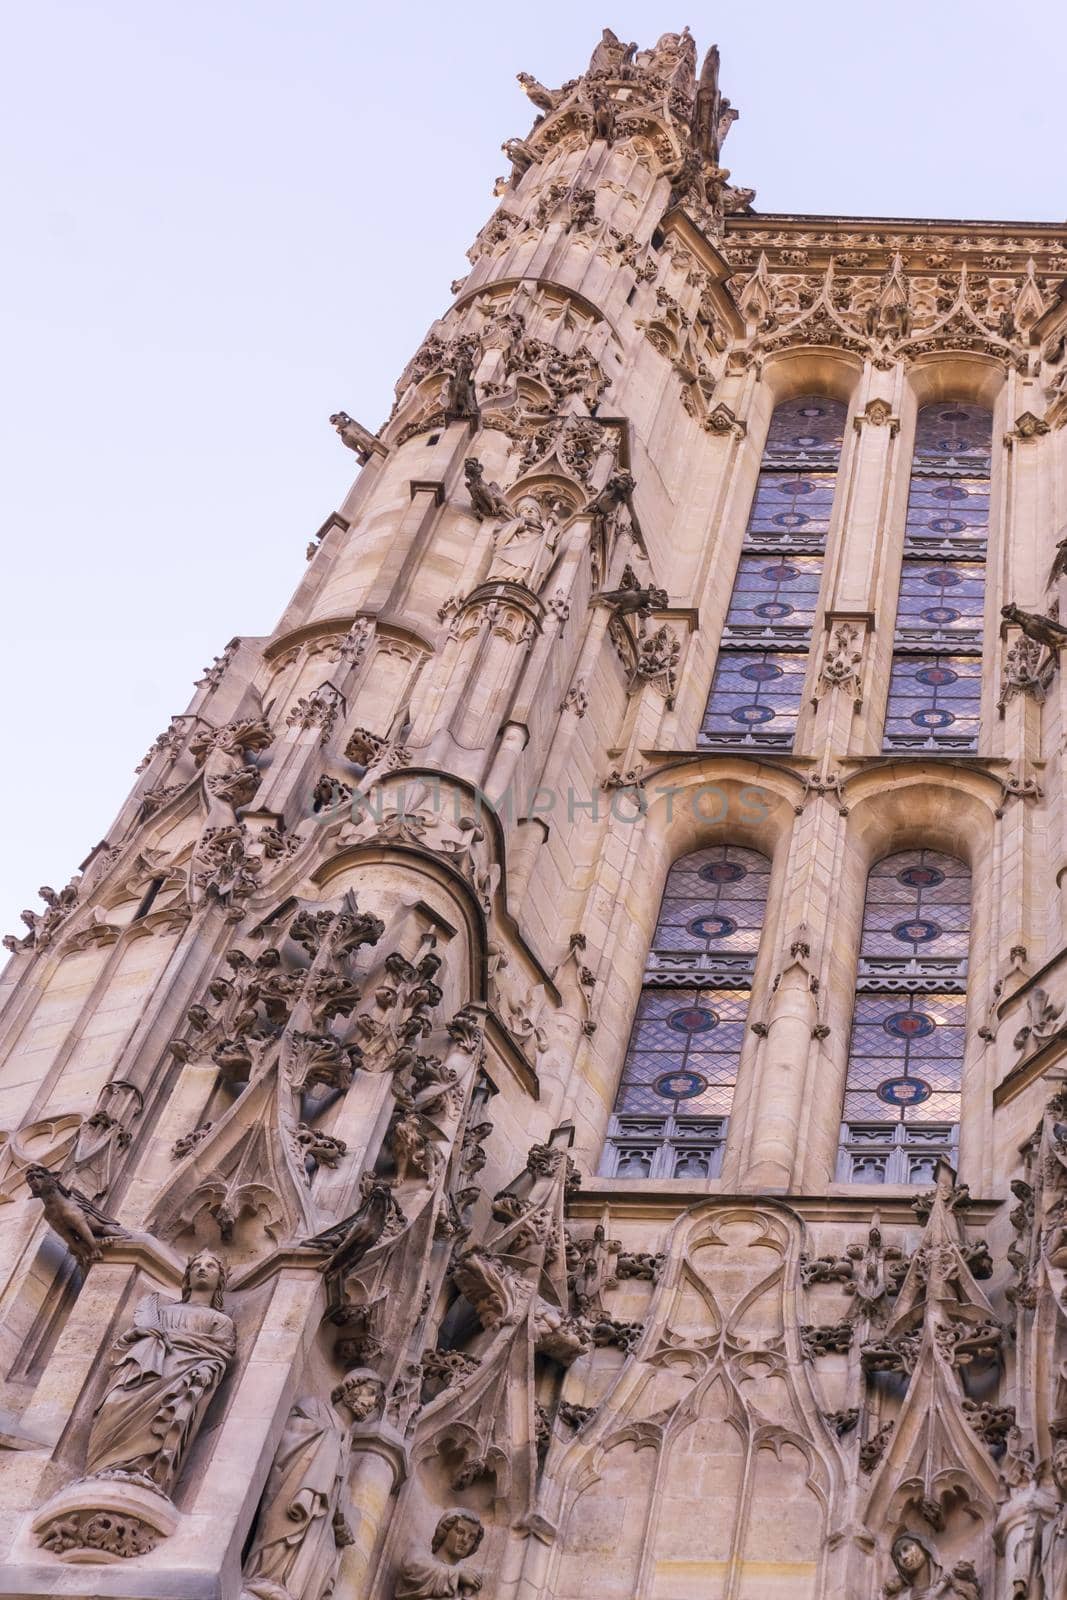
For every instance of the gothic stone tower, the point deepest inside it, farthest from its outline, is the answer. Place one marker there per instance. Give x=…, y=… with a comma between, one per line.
x=552, y=1082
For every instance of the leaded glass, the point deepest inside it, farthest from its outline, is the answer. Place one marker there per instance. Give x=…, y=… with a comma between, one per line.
x=756, y=694
x=906, y=1058
x=948, y=503
x=811, y=425
x=947, y=432
x=683, y=1051
x=948, y=513
x=755, y=698
x=918, y=901
x=941, y=599
x=906, y=1050
x=714, y=901
x=772, y=594
x=677, y=1084
x=934, y=702
x=790, y=507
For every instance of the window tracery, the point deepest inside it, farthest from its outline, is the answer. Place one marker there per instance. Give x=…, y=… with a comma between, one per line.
x=935, y=684
x=676, y=1090
x=902, y=1095
x=759, y=677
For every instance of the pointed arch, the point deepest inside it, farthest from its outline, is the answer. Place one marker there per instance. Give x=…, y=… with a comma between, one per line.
x=935, y=685
x=676, y=1091
x=902, y=1094
x=759, y=678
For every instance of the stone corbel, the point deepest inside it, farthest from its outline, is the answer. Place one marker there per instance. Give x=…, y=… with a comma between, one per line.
x=879, y=413
x=1027, y=426
x=721, y=420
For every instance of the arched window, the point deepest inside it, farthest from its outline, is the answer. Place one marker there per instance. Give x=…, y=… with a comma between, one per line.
x=759, y=677
x=677, y=1085
x=935, y=688
x=902, y=1097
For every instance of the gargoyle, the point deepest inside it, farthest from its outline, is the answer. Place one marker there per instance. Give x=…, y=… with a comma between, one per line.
x=79, y=1223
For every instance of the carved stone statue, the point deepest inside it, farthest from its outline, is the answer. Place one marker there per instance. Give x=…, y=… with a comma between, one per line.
x=457, y=1536
x=301, y=1523
x=920, y=1576
x=1044, y=630
x=165, y=1369
x=522, y=543
x=79, y=1223
x=611, y=55
x=459, y=398
x=487, y=498
x=1054, y=1535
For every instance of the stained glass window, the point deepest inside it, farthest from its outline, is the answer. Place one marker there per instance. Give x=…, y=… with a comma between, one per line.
x=934, y=698
x=755, y=696
x=677, y=1084
x=902, y=1096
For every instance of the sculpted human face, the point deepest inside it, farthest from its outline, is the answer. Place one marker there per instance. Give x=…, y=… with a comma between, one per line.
x=361, y=1399
x=204, y=1273
x=461, y=1540
x=911, y=1557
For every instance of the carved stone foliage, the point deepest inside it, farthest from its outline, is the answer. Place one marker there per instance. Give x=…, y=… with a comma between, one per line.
x=900, y=314
x=287, y=1027
x=320, y=709
x=1032, y=1522
x=104, y=1135
x=43, y=925
x=1027, y=671
x=842, y=665
x=514, y=1305
x=513, y=363
x=653, y=101
x=1045, y=1022
x=225, y=865
x=659, y=651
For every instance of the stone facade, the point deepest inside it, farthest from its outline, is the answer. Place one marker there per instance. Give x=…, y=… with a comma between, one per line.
x=336, y=1258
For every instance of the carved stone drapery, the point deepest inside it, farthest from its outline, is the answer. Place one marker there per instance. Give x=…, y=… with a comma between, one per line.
x=164, y=1370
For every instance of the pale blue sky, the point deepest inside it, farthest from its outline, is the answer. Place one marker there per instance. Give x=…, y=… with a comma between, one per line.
x=226, y=221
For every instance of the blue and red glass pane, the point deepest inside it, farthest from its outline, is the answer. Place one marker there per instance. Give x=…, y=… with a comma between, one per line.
x=945, y=595
x=947, y=432
x=918, y=903
x=906, y=1058
x=755, y=693
x=714, y=900
x=932, y=698
x=683, y=1052
x=808, y=424
x=792, y=504
x=955, y=509
x=772, y=590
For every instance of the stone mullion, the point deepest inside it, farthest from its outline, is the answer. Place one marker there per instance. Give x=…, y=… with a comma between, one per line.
x=864, y=555
x=781, y=1140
